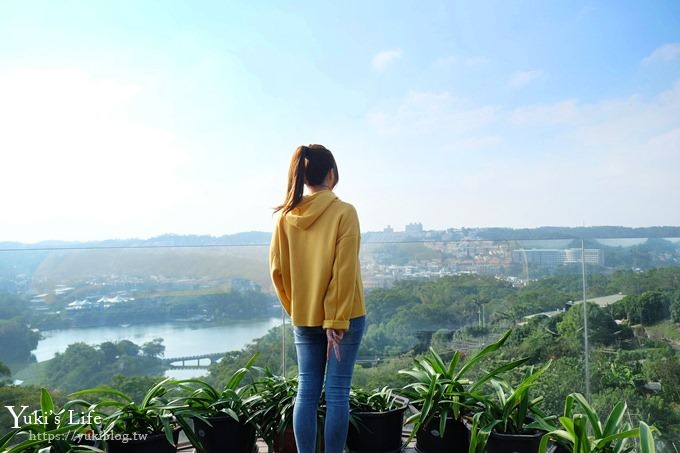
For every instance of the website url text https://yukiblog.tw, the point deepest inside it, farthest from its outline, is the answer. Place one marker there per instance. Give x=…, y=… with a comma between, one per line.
x=89, y=436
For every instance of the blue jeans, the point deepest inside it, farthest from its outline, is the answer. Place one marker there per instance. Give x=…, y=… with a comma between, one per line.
x=310, y=343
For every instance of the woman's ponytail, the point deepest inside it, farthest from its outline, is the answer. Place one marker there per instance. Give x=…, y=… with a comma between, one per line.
x=309, y=164
x=296, y=180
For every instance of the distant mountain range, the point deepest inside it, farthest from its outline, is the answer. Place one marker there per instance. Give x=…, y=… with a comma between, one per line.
x=206, y=259
x=166, y=240
x=593, y=232
x=262, y=238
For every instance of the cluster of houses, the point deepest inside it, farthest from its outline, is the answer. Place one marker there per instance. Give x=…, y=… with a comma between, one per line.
x=100, y=303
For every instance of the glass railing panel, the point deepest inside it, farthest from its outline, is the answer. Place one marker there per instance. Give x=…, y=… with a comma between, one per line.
x=168, y=311
x=635, y=358
x=461, y=295
x=448, y=294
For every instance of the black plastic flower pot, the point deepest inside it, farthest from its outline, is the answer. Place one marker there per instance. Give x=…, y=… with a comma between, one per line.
x=225, y=434
x=456, y=437
x=152, y=443
x=285, y=442
x=514, y=443
x=376, y=432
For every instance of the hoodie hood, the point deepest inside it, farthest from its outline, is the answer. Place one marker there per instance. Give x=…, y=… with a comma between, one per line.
x=310, y=208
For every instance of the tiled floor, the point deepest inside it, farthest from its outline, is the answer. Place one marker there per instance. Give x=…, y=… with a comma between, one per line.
x=262, y=448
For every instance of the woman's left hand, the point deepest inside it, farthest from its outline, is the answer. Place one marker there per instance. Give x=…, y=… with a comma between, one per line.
x=333, y=337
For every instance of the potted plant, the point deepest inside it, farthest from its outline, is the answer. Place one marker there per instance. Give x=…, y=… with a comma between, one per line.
x=52, y=429
x=221, y=417
x=145, y=427
x=272, y=406
x=377, y=421
x=273, y=402
x=509, y=420
x=583, y=432
x=441, y=396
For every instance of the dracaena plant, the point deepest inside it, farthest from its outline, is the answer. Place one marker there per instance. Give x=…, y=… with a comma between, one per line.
x=200, y=399
x=272, y=405
x=442, y=389
x=582, y=431
x=53, y=429
x=155, y=414
x=508, y=409
x=378, y=400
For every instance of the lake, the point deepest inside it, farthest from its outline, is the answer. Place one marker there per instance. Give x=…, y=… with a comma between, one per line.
x=179, y=338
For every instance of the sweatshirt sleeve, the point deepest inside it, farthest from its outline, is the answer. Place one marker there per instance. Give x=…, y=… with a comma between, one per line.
x=339, y=299
x=275, y=270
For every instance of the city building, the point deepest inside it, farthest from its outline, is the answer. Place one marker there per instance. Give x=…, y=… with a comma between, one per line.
x=557, y=257
x=414, y=229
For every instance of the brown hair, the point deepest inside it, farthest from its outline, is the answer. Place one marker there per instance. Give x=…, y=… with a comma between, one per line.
x=309, y=165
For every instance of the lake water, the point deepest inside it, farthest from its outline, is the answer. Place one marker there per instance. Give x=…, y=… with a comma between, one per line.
x=180, y=339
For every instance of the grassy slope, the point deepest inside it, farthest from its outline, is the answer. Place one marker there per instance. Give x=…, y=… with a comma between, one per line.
x=34, y=374
x=209, y=263
x=665, y=330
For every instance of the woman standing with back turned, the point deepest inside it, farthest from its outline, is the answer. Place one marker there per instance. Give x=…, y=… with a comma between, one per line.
x=314, y=262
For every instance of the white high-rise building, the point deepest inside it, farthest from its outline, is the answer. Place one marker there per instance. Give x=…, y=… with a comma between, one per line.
x=557, y=257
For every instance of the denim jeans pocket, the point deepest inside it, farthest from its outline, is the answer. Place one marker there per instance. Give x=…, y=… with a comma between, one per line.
x=356, y=330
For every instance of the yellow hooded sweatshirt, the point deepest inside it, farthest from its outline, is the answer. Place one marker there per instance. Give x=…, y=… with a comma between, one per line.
x=314, y=262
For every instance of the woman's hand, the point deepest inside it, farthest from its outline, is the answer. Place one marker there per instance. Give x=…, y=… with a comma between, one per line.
x=334, y=336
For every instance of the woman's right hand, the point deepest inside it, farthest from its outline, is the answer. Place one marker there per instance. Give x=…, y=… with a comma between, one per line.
x=333, y=337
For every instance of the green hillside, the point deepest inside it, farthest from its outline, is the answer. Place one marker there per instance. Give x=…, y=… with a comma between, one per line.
x=72, y=266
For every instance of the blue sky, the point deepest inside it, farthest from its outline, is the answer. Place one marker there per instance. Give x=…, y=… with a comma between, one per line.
x=139, y=118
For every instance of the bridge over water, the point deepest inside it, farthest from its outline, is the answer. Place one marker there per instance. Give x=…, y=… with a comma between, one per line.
x=197, y=361
x=203, y=361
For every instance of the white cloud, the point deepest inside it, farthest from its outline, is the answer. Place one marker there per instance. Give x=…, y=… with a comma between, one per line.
x=607, y=123
x=618, y=157
x=382, y=59
x=523, y=78
x=667, y=52
x=434, y=113
x=472, y=144
x=453, y=60
x=558, y=113
x=612, y=161
x=586, y=12
x=667, y=143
